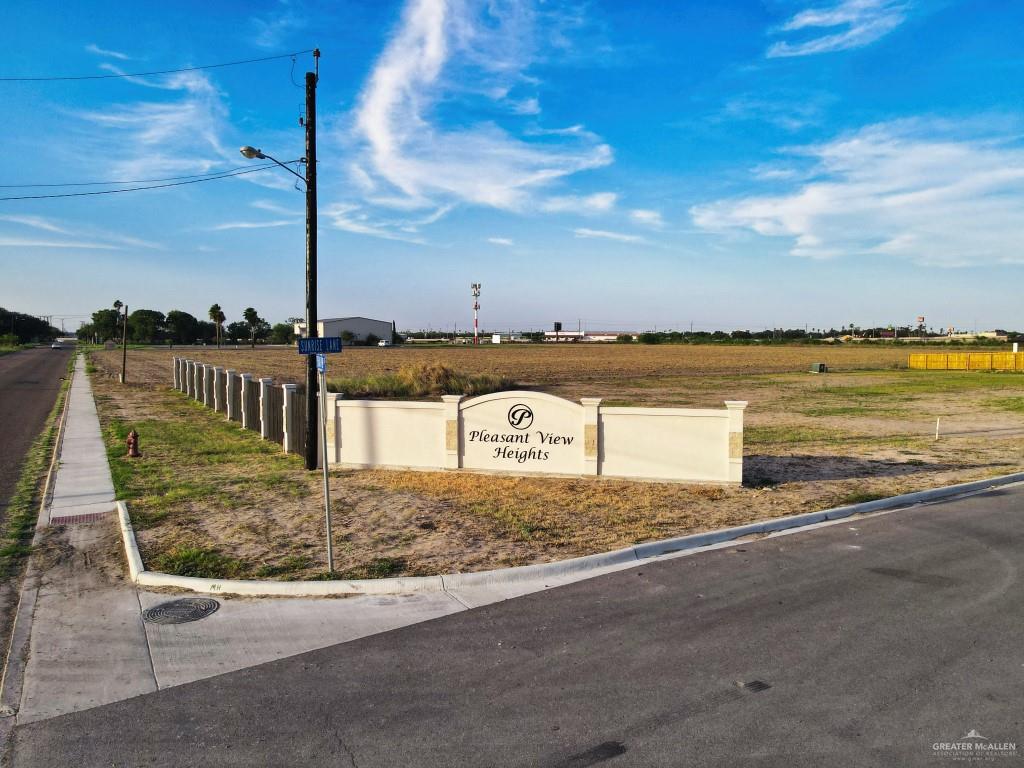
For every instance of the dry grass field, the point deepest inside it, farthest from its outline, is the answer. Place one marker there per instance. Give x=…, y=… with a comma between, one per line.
x=211, y=499
x=568, y=370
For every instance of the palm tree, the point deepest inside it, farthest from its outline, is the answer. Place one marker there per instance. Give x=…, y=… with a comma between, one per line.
x=252, y=318
x=218, y=317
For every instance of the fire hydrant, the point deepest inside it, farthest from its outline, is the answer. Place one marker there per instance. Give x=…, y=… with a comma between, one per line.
x=133, y=445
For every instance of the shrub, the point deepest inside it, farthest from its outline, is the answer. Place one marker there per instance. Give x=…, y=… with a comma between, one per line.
x=422, y=380
x=624, y=338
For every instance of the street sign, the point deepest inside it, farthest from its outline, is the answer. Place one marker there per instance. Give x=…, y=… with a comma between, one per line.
x=321, y=363
x=320, y=346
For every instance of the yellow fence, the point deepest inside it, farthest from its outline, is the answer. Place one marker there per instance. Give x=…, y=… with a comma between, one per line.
x=968, y=361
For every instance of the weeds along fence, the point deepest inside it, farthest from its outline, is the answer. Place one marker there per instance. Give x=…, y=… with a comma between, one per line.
x=967, y=361
x=276, y=411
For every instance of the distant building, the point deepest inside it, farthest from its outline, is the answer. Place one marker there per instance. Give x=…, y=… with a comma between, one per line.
x=359, y=327
x=588, y=336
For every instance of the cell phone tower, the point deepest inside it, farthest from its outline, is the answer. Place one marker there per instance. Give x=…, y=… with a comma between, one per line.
x=475, y=288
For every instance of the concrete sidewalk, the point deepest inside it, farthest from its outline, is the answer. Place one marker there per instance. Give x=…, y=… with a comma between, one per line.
x=89, y=644
x=82, y=485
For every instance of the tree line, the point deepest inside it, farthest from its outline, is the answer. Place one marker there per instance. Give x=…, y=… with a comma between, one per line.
x=19, y=328
x=149, y=326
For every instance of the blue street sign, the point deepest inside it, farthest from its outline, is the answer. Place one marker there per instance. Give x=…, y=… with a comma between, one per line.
x=321, y=363
x=320, y=346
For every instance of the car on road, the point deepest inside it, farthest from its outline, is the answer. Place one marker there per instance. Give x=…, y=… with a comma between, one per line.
x=56, y=345
x=383, y=343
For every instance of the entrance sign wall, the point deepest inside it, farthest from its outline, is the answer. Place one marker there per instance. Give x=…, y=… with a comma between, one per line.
x=535, y=433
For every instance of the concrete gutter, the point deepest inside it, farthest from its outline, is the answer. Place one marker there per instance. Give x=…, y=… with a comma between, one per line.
x=573, y=568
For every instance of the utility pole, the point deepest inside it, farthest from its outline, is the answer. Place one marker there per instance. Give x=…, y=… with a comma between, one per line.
x=312, y=329
x=124, y=347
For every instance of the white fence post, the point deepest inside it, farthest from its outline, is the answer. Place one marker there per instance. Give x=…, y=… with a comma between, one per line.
x=189, y=376
x=265, y=385
x=591, y=435
x=208, y=386
x=229, y=393
x=218, y=389
x=451, y=431
x=248, y=417
x=736, y=408
x=287, y=415
x=176, y=373
x=197, y=380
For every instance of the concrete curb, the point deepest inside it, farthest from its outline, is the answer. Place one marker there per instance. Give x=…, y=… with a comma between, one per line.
x=561, y=569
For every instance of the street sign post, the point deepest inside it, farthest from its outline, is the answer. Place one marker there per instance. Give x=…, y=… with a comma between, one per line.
x=321, y=347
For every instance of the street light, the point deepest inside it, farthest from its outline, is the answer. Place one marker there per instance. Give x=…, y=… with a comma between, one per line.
x=312, y=331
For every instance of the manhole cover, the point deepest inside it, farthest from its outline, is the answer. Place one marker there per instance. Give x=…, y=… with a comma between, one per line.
x=181, y=611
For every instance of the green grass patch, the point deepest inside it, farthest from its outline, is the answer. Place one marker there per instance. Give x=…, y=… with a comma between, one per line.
x=198, y=562
x=860, y=498
x=423, y=380
x=1012, y=404
x=288, y=565
x=790, y=435
x=908, y=384
x=862, y=409
x=377, y=568
x=200, y=440
x=23, y=509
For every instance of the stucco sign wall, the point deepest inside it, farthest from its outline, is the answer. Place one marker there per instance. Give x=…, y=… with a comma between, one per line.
x=534, y=433
x=513, y=432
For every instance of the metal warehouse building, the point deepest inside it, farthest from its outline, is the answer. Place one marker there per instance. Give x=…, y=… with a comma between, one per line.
x=359, y=327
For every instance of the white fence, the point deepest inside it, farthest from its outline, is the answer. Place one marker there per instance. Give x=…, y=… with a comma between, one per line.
x=508, y=432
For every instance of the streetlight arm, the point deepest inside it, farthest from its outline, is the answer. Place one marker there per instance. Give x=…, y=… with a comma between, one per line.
x=293, y=173
x=252, y=153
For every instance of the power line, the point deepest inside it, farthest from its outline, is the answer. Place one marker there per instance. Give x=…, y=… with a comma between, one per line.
x=156, y=72
x=132, y=181
x=137, y=189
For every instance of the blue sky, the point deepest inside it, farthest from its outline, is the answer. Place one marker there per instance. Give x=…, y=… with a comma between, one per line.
x=732, y=164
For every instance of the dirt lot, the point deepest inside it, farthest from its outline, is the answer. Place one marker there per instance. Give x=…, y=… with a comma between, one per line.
x=211, y=499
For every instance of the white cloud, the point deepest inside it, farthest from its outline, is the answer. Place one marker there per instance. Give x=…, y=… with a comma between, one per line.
x=24, y=242
x=783, y=109
x=529, y=106
x=174, y=136
x=861, y=21
x=85, y=236
x=500, y=241
x=647, y=218
x=250, y=225
x=471, y=52
x=93, y=48
x=917, y=190
x=36, y=222
x=271, y=32
x=352, y=218
x=605, y=235
x=272, y=207
x=600, y=202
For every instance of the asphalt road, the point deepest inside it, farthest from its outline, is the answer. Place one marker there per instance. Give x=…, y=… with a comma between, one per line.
x=863, y=643
x=29, y=383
